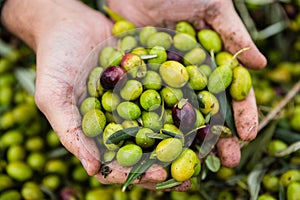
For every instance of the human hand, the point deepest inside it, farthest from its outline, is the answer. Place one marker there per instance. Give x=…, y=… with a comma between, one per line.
x=221, y=16
x=62, y=46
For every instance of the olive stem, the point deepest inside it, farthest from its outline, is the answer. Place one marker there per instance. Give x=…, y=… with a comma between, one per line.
x=239, y=52
x=145, y=57
x=279, y=106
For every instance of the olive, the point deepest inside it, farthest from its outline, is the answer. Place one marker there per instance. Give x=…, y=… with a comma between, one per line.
x=131, y=90
x=185, y=27
x=152, y=80
x=111, y=76
x=150, y=100
x=127, y=43
x=151, y=120
x=128, y=110
x=220, y=79
x=143, y=140
x=293, y=191
x=93, y=122
x=168, y=149
x=31, y=190
x=160, y=39
x=183, y=168
x=122, y=28
x=161, y=56
x=110, y=101
x=129, y=154
x=131, y=63
x=201, y=135
x=184, y=41
x=210, y=40
x=171, y=55
x=197, y=79
x=171, y=95
x=89, y=103
x=184, y=115
x=145, y=33
x=174, y=73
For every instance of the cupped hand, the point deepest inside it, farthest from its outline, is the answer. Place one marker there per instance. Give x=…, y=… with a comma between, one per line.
x=219, y=15
x=62, y=70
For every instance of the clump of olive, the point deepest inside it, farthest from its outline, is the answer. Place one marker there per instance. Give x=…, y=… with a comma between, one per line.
x=158, y=93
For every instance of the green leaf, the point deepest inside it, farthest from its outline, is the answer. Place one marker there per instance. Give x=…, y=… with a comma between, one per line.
x=292, y=148
x=26, y=78
x=250, y=159
x=167, y=184
x=256, y=175
x=213, y=163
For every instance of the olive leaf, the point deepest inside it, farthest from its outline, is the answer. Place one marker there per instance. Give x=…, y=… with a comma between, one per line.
x=167, y=184
x=255, y=176
x=213, y=163
x=157, y=136
x=292, y=148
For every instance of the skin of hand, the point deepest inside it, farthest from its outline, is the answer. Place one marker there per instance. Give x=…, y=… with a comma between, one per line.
x=62, y=33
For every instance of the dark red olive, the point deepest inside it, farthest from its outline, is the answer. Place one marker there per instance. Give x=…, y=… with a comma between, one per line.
x=111, y=76
x=171, y=55
x=184, y=115
x=202, y=134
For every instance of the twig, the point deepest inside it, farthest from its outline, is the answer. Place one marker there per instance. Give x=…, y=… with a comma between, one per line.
x=279, y=107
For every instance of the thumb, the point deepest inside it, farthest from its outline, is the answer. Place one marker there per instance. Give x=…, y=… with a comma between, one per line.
x=222, y=16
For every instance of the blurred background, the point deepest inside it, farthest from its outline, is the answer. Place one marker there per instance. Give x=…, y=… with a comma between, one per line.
x=34, y=165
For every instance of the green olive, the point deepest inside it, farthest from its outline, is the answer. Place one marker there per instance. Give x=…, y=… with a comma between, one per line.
x=122, y=28
x=110, y=129
x=15, y=152
x=195, y=56
x=36, y=160
x=168, y=149
x=12, y=137
x=293, y=191
x=131, y=90
x=145, y=33
x=200, y=120
x=128, y=43
x=129, y=154
x=289, y=176
x=10, y=194
x=152, y=80
x=275, y=146
x=183, y=168
x=128, y=110
x=160, y=39
x=5, y=181
x=197, y=79
x=171, y=95
x=185, y=27
x=210, y=40
x=51, y=181
x=89, y=103
x=110, y=101
x=206, y=69
x=161, y=56
x=150, y=100
x=151, y=120
x=139, y=51
x=57, y=166
x=172, y=128
x=94, y=86
x=226, y=58
x=208, y=103
x=184, y=41
x=241, y=83
x=174, y=73
x=271, y=183
x=19, y=170
x=31, y=190
x=220, y=79
x=143, y=140
x=93, y=123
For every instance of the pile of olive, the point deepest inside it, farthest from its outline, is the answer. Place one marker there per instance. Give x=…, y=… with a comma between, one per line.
x=155, y=95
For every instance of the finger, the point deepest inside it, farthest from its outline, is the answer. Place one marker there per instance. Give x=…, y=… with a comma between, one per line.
x=65, y=120
x=246, y=117
x=118, y=174
x=229, y=151
x=222, y=16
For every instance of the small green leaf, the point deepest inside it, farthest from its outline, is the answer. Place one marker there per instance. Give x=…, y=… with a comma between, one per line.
x=167, y=184
x=157, y=136
x=213, y=163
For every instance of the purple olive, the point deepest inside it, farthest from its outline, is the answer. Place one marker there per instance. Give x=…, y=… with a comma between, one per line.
x=111, y=76
x=171, y=55
x=184, y=115
x=202, y=134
